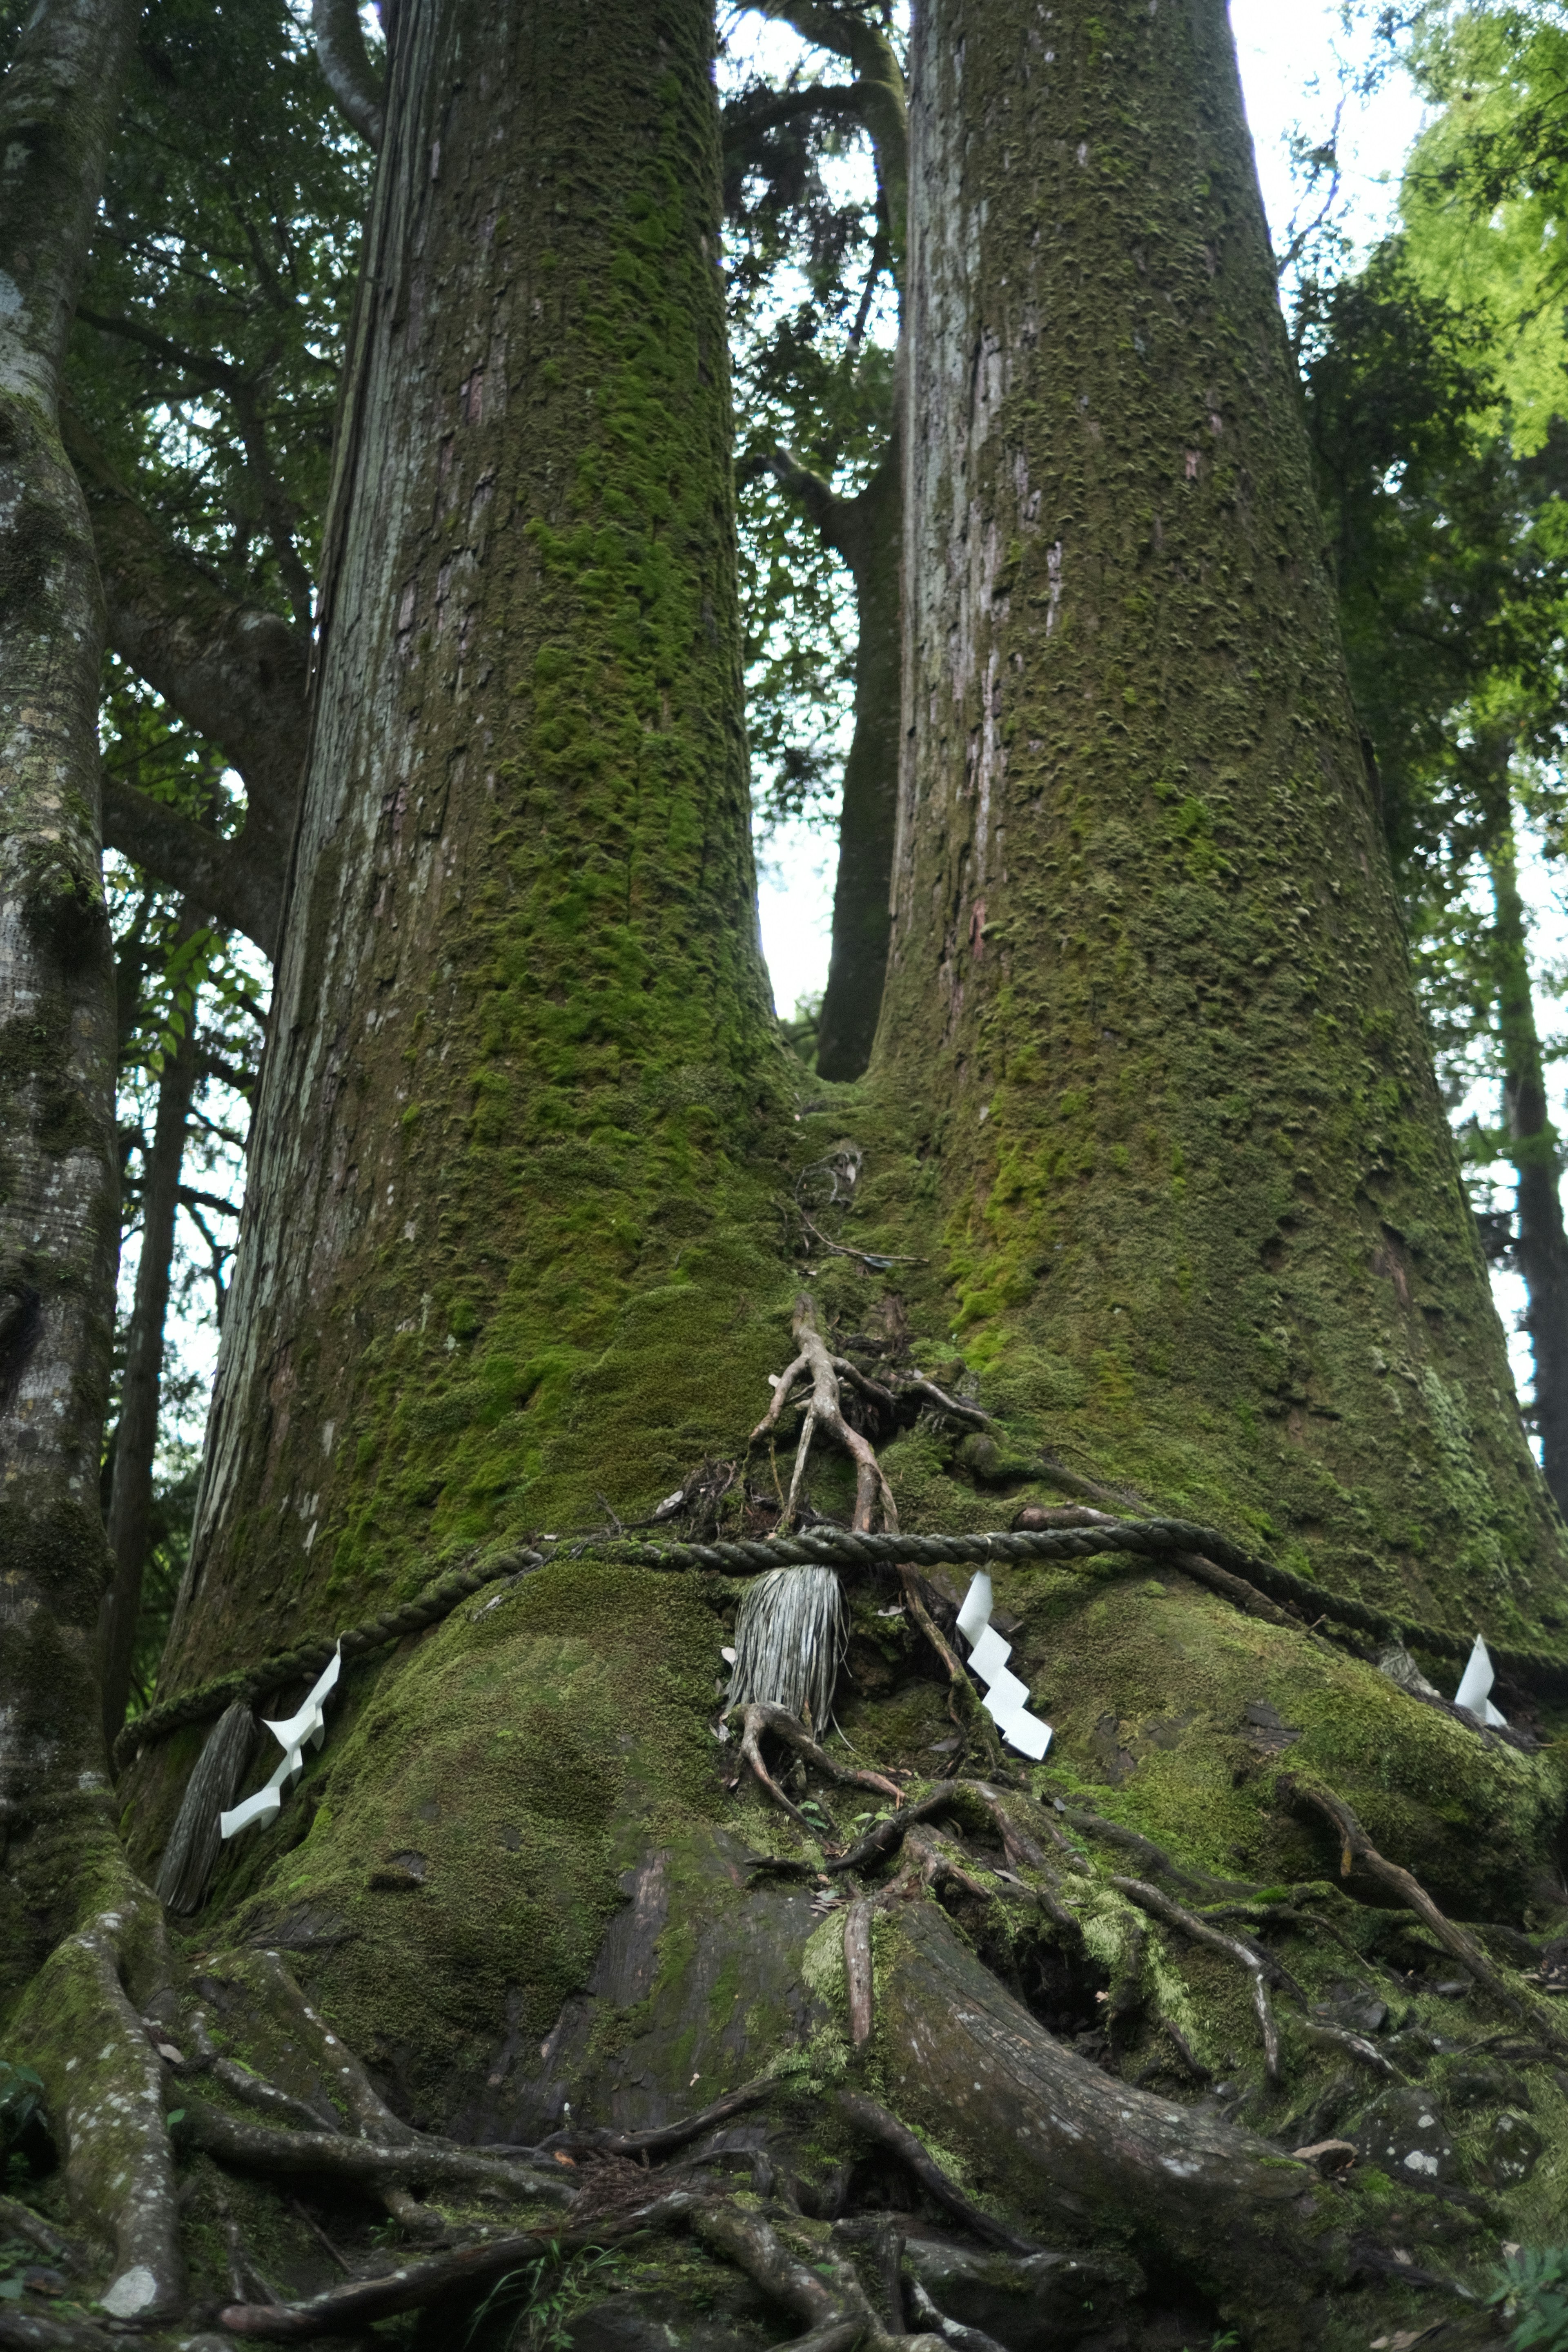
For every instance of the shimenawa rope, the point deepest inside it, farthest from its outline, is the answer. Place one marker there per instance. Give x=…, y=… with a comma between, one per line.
x=839, y=1547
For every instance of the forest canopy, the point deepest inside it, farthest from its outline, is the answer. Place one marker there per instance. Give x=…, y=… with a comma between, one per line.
x=899, y=1675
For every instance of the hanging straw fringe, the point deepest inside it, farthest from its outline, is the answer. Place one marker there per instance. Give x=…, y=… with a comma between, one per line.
x=790, y=1638
x=191, y=1855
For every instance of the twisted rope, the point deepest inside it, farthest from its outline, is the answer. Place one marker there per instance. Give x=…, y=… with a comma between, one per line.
x=839, y=1547
x=427, y=1608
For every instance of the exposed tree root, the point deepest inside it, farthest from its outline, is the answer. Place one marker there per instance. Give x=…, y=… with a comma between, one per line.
x=951, y=2331
x=878, y=2124
x=252, y=2147
x=1357, y=1850
x=665, y=2136
x=969, y=1714
x=1355, y=2045
x=824, y=1411
x=105, y=2097
x=756, y=1718
x=1161, y=1907
x=1055, y=2130
x=1152, y=1856
x=64, y=2252
x=414, y=2284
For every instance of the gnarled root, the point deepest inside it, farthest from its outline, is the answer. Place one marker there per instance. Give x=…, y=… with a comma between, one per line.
x=824, y=1411
x=1358, y=1851
x=105, y=2093
x=756, y=1718
x=1160, y=1907
x=1053, y=2133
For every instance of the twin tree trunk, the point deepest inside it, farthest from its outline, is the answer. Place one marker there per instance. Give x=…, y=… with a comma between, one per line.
x=1150, y=1104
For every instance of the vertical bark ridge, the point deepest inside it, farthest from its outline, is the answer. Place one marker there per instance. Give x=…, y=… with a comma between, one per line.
x=1205, y=1218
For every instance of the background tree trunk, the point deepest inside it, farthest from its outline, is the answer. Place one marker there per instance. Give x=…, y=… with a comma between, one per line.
x=1541, y=1250
x=1207, y=1228
x=59, y=1177
x=867, y=530
x=136, y=1435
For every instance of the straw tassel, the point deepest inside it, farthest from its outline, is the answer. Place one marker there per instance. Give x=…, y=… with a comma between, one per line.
x=185, y=1871
x=790, y=1638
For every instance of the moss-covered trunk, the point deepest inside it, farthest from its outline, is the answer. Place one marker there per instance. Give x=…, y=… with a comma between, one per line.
x=1147, y=979
x=520, y=1040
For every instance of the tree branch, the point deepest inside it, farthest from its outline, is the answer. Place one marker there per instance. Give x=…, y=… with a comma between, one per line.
x=346, y=67
x=214, y=873
x=233, y=672
x=880, y=103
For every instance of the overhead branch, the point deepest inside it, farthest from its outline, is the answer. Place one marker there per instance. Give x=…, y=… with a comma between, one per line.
x=345, y=64
x=750, y=118
x=233, y=672
x=228, y=886
x=881, y=105
x=240, y=389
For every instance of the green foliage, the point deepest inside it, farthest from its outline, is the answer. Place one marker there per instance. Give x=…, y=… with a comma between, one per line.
x=538, y=2300
x=812, y=319
x=21, y=2099
x=1532, y=2291
x=212, y=322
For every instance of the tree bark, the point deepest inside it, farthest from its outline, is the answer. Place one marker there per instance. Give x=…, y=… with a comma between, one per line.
x=57, y=1197
x=1146, y=971
x=1541, y=1249
x=136, y=1437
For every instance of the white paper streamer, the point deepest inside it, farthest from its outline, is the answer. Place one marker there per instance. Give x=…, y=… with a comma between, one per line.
x=1474, y=1685
x=309, y=1726
x=1006, y=1699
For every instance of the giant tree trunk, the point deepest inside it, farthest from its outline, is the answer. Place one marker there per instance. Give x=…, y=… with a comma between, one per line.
x=1205, y=1221
x=1541, y=1249
x=531, y=1197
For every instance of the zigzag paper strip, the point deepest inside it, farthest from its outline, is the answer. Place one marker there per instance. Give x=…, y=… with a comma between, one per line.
x=1475, y=1683
x=1006, y=1699
x=309, y=1726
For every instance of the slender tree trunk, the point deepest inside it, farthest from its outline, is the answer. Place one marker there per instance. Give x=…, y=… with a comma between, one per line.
x=136, y=1437
x=1542, y=1246
x=1205, y=1216
x=59, y=1180
x=867, y=533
